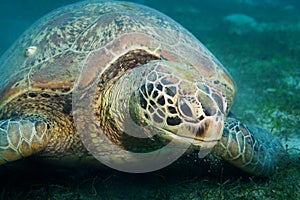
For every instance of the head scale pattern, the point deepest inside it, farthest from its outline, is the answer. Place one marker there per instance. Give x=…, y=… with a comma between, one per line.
x=174, y=103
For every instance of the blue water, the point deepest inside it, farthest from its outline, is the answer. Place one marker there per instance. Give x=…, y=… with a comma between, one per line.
x=259, y=43
x=17, y=15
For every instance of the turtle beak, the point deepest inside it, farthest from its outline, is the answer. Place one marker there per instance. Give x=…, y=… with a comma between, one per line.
x=205, y=134
x=202, y=114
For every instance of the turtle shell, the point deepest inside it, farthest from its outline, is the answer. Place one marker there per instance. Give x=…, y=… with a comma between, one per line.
x=89, y=37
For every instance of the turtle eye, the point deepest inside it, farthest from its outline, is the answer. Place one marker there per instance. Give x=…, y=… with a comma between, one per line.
x=184, y=108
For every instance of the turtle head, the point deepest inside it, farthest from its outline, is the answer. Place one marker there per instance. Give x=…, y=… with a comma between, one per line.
x=149, y=115
x=175, y=99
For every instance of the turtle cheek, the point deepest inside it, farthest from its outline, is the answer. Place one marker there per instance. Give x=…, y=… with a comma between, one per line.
x=137, y=107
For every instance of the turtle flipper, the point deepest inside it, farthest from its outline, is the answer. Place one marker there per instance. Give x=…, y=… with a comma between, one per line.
x=253, y=150
x=21, y=137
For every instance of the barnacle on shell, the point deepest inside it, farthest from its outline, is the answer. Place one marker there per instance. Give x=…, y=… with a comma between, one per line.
x=30, y=51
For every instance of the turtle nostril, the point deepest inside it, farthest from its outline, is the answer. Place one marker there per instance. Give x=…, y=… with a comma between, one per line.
x=201, y=117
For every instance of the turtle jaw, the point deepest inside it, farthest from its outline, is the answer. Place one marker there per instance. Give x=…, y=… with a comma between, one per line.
x=204, y=135
x=176, y=100
x=192, y=142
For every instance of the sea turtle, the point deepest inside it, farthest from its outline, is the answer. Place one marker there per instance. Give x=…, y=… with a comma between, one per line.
x=121, y=80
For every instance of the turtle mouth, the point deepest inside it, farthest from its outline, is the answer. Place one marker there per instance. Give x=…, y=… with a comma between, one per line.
x=190, y=140
x=195, y=140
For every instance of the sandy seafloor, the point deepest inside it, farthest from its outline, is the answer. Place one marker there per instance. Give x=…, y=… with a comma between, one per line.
x=260, y=46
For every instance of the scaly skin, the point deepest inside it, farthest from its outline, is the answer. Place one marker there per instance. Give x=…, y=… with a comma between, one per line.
x=254, y=151
x=21, y=138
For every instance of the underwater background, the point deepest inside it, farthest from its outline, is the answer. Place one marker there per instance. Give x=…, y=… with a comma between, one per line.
x=258, y=41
